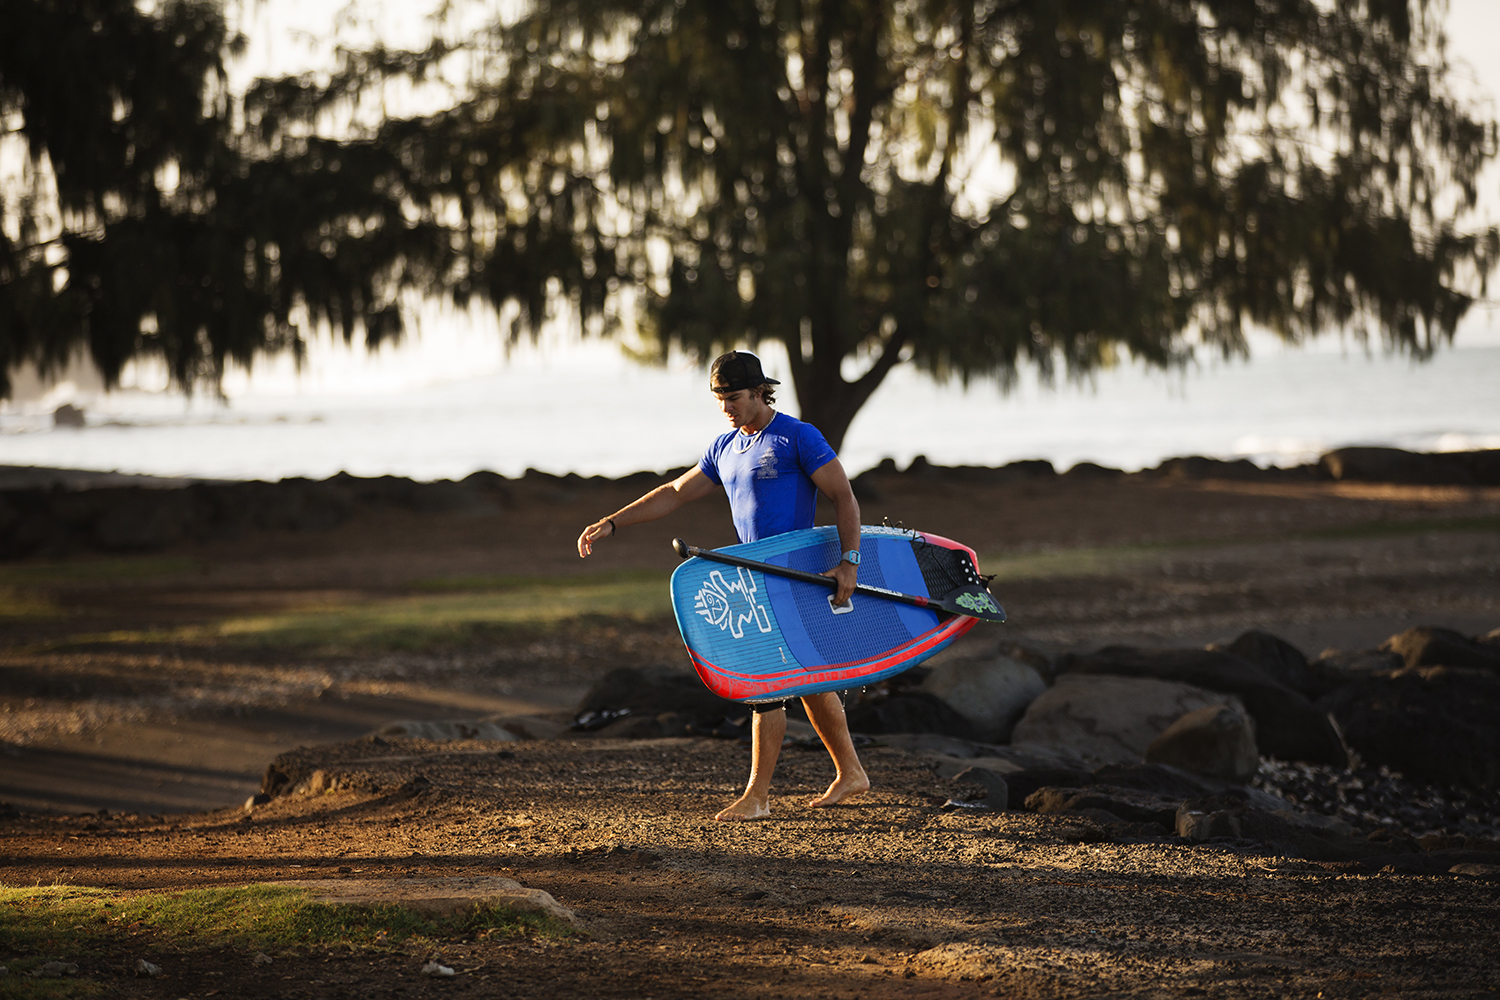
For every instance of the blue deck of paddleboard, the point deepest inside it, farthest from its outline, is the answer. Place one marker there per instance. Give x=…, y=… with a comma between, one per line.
x=763, y=636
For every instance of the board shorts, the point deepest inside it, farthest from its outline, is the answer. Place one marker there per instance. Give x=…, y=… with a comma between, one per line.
x=771, y=706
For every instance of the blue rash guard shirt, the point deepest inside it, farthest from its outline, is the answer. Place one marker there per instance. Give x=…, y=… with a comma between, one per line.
x=768, y=476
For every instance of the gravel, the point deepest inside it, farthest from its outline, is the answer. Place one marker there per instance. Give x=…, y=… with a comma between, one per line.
x=1375, y=799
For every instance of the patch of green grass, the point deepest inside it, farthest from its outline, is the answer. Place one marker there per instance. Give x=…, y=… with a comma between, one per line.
x=1396, y=529
x=104, y=570
x=24, y=589
x=94, y=928
x=14, y=986
x=421, y=621
x=424, y=621
x=1068, y=563
x=499, y=581
x=1106, y=561
x=18, y=603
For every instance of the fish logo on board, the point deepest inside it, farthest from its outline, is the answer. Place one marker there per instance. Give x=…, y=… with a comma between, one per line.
x=978, y=602
x=716, y=602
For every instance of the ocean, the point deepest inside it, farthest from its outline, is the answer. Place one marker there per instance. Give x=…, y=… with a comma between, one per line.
x=452, y=401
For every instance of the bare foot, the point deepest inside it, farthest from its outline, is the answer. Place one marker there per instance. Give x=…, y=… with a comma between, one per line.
x=844, y=786
x=745, y=808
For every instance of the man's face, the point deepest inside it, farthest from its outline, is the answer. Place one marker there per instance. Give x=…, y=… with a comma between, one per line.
x=742, y=407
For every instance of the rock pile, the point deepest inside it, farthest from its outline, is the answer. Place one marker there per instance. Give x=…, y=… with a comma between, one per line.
x=1377, y=465
x=57, y=521
x=1355, y=754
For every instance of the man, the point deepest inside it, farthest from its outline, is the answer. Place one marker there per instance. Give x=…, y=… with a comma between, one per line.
x=772, y=466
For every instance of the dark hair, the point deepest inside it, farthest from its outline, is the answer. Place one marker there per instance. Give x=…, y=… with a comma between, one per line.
x=766, y=391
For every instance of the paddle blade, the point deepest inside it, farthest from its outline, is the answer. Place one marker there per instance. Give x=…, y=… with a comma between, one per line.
x=972, y=600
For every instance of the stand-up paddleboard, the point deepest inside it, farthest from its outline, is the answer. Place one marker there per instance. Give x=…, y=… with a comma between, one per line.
x=760, y=635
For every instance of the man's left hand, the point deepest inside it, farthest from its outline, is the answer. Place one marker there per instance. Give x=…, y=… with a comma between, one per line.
x=847, y=574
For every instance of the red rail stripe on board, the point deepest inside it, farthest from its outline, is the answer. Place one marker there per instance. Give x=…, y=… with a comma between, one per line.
x=738, y=687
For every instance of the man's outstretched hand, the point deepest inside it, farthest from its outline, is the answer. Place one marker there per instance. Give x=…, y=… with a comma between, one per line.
x=599, y=529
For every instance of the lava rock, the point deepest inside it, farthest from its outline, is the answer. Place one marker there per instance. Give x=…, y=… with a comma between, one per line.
x=1287, y=725
x=1108, y=718
x=1435, y=724
x=1428, y=646
x=651, y=693
x=1336, y=667
x=991, y=692
x=1093, y=470
x=908, y=712
x=1021, y=784
x=1158, y=779
x=1198, y=467
x=1482, y=872
x=1229, y=818
x=1216, y=741
x=1127, y=804
x=996, y=788
x=70, y=416
x=1279, y=659
x=1392, y=465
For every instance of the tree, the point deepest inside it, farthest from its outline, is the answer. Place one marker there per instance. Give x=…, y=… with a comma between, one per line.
x=159, y=214
x=967, y=185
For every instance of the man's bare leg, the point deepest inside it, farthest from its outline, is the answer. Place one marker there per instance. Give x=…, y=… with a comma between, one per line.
x=767, y=730
x=826, y=712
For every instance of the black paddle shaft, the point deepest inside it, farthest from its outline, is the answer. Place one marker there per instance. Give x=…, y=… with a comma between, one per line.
x=973, y=600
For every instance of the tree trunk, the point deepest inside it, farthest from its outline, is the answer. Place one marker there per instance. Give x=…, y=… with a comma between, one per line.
x=829, y=403
x=829, y=413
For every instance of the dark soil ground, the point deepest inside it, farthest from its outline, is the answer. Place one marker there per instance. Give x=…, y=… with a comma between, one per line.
x=889, y=896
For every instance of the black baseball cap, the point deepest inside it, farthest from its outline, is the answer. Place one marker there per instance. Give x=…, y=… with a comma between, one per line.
x=735, y=371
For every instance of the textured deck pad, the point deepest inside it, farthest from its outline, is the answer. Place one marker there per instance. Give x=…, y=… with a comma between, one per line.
x=762, y=637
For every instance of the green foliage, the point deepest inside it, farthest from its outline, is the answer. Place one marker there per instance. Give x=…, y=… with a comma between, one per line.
x=82, y=925
x=966, y=185
x=1159, y=173
x=148, y=221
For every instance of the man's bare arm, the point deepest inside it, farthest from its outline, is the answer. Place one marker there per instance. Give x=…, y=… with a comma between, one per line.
x=691, y=485
x=833, y=482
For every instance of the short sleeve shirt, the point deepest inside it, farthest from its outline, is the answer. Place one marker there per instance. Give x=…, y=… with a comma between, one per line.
x=768, y=476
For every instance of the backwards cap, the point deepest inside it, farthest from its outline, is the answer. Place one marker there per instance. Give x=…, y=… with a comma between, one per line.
x=737, y=370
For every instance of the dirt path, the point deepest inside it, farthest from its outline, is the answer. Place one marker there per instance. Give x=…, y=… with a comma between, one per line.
x=890, y=897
